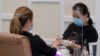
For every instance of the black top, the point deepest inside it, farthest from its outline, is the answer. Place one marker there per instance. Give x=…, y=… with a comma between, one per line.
x=80, y=34
x=38, y=46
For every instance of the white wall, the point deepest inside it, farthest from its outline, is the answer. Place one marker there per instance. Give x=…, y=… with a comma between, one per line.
x=98, y=25
x=46, y=16
x=46, y=19
x=0, y=24
x=9, y=6
x=0, y=18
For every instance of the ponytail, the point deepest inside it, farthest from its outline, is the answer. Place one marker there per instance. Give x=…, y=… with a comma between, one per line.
x=21, y=16
x=90, y=21
x=15, y=26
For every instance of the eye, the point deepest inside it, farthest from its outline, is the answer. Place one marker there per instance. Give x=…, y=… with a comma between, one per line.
x=73, y=15
x=76, y=16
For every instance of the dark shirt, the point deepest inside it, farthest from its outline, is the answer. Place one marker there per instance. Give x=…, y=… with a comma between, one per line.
x=81, y=34
x=38, y=46
x=89, y=34
x=74, y=32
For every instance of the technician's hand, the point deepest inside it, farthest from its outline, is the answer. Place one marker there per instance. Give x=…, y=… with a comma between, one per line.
x=66, y=43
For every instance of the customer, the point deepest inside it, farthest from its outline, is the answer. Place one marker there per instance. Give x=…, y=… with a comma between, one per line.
x=22, y=23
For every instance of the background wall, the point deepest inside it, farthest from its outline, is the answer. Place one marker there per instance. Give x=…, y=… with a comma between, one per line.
x=46, y=19
x=46, y=15
x=69, y=4
x=9, y=6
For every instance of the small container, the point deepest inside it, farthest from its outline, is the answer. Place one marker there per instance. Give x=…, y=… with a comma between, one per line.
x=77, y=52
x=64, y=51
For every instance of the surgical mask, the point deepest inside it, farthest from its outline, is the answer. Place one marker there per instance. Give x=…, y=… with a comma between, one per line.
x=30, y=29
x=78, y=21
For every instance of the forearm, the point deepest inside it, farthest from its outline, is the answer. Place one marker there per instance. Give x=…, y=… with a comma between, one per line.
x=73, y=45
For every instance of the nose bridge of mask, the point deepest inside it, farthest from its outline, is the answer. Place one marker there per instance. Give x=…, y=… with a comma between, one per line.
x=78, y=19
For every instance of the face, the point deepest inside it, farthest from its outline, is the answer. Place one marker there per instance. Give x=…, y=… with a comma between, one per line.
x=30, y=24
x=78, y=14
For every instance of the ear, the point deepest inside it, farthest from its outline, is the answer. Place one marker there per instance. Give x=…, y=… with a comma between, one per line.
x=28, y=21
x=86, y=15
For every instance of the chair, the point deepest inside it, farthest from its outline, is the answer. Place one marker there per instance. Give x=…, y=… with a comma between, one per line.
x=93, y=48
x=14, y=45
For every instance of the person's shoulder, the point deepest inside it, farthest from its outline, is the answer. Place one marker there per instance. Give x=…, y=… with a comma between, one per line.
x=28, y=34
x=72, y=25
x=25, y=33
x=37, y=36
x=91, y=27
x=38, y=39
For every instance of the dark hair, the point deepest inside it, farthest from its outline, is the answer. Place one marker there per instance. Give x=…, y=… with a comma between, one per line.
x=21, y=15
x=84, y=10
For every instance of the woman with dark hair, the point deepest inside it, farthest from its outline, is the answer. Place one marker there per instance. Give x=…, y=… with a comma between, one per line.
x=81, y=30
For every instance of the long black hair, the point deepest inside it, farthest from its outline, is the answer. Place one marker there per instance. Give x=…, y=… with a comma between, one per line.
x=84, y=10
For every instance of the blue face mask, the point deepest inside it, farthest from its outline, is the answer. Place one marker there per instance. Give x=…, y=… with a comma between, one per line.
x=78, y=21
x=30, y=29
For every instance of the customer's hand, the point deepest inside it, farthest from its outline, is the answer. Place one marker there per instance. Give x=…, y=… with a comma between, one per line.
x=66, y=43
x=55, y=43
x=59, y=37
